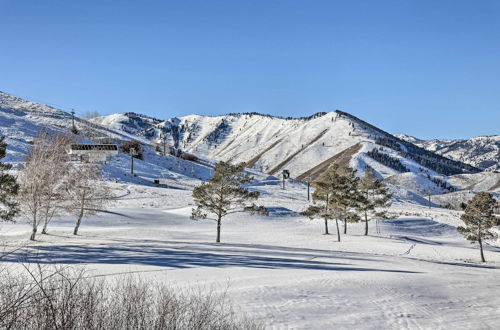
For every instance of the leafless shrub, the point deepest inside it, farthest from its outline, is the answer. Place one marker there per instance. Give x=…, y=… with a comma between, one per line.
x=133, y=144
x=67, y=299
x=189, y=157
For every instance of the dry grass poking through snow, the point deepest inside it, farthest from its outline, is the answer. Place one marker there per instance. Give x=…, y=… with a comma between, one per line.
x=66, y=299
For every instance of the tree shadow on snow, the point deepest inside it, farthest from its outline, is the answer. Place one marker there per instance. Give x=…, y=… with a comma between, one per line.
x=173, y=254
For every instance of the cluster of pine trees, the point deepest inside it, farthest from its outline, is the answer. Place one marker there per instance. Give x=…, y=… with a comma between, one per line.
x=339, y=195
x=218, y=133
x=437, y=163
x=441, y=183
x=387, y=160
x=342, y=196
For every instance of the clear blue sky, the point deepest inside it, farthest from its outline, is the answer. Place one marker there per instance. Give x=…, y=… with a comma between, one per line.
x=425, y=68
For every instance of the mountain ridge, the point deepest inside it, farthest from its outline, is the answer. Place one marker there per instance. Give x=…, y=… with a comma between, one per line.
x=480, y=151
x=306, y=146
x=260, y=137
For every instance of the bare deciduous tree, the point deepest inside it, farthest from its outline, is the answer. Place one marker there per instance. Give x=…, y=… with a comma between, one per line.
x=86, y=191
x=41, y=179
x=56, y=193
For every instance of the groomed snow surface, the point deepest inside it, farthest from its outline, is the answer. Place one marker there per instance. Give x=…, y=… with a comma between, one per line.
x=417, y=273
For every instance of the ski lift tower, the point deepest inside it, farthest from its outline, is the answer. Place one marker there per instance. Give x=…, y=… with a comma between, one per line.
x=286, y=175
x=132, y=153
x=308, y=180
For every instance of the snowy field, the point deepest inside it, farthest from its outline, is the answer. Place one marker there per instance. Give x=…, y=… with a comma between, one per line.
x=417, y=273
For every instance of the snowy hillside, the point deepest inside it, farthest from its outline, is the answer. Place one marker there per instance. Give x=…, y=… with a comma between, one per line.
x=482, y=151
x=477, y=182
x=305, y=146
x=21, y=121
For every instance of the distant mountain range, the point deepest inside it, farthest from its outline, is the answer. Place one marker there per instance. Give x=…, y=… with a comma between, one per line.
x=482, y=151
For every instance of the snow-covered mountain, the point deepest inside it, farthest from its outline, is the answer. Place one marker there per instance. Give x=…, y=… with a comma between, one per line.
x=305, y=146
x=482, y=151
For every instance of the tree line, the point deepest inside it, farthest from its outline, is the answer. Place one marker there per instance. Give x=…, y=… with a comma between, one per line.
x=426, y=158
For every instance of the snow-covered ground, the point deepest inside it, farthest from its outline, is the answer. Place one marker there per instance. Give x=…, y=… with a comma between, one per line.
x=417, y=273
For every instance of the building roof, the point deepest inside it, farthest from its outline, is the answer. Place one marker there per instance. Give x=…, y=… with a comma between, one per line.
x=94, y=147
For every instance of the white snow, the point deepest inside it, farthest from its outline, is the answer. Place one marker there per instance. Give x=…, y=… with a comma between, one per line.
x=479, y=181
x=418, y=273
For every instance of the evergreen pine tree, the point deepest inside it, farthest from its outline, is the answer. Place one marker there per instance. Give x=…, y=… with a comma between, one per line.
x=223, y=194
x=344, y=193
x=336, y=191
x=374, y=197
x=478, y=219
x=8, y=187
x=322, y=210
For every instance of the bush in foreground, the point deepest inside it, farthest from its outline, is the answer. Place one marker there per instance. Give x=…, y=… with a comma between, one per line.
x=66, y=299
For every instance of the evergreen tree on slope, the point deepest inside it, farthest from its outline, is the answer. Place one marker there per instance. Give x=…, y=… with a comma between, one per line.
x=345, y=195
x=336, y=191
x=375, y=197
x=479, y=219
x=8, y=187
x=223, y=194
x=321, y=209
